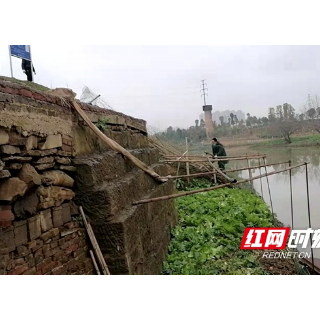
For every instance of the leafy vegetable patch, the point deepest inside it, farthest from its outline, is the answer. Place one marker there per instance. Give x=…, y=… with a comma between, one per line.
x=211, y=224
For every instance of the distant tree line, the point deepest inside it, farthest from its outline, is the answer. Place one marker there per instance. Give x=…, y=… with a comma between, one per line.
x=283, y=120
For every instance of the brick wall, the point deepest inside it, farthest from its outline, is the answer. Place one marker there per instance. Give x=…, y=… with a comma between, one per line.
x=46, y=244
x=38, y=232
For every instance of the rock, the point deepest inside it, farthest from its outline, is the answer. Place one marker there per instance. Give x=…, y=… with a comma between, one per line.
x=40, y=145
x=74, y=209
x=14, y=166
x=52, y=141
x=61, y=160
x=44, y=160
x=38, y=153
x=32, y=143
x=9, y=149
x=44, y=166
x=58, y=178
x=55, y=194
x=25, y=133
x=17, y=158
x=29, y=175
x=64, y=153
x=11, y=188
x=4, y=137
x=2, y=164
x=46, y=205
x=26, y=207
x=16, y=140
x=68, y=168
x=62, y=93
x=5, y=174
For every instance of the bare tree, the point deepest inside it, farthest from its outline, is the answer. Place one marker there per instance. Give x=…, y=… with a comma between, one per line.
x=287, y=128
x=316, y=104
x=304, y=110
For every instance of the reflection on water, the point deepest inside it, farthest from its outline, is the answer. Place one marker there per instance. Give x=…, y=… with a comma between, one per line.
x=280, y=184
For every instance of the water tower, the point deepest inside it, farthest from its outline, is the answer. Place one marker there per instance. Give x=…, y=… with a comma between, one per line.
x=207, y=113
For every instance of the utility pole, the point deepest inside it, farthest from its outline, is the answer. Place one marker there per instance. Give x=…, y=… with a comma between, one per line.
x=310, y=104
x=203, y=92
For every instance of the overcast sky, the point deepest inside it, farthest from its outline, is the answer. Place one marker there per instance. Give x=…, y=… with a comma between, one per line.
x=161, y=84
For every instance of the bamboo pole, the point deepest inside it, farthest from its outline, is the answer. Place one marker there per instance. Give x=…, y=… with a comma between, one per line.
x=257, y=167
x=94, y=263
x=192, y=175
x=179, y=163
x=250, y=172
x=220, y=172
x=95, y=244
x=309, y=214
x=182, y=194
x=187, y=164
x=249, y=156
x=265, y=167
x=202, y=160
x=226, y=171
x=115, y=146
x=230, y=157
x=104, y=266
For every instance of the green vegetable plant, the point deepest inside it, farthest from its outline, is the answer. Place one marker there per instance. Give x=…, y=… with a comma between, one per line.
x=103, y=124
x=210, y=229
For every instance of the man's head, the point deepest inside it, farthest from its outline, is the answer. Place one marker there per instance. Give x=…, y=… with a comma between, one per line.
x=214, y=140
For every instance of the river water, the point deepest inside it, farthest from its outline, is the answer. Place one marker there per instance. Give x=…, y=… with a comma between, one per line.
x=280, y=183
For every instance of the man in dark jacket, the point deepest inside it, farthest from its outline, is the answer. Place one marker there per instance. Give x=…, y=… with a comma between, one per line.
x=26, y=67
x=218, y=151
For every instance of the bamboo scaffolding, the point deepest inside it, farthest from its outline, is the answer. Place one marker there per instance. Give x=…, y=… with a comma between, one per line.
x=179, y=162
x=165, y=148
x=250, y=157
x=257, y=167
x=182, y=194
x=191, y=175
x=230, y=157
x=220, y=172
x=168, y=150
x=211, y=159
x=226, y=171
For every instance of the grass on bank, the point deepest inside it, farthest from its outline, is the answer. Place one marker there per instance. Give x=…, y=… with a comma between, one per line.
x=32, y=85
x=305, y=141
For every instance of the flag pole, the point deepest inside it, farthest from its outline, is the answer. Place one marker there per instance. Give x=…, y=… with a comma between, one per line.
x=10, y=61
